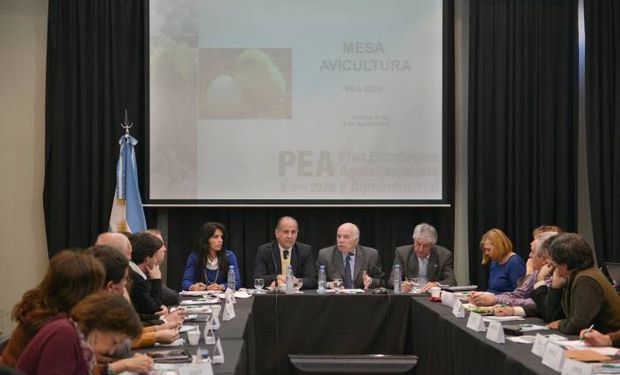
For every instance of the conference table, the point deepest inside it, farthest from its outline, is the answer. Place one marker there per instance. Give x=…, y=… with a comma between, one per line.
x=446, y=346
x=269, y=327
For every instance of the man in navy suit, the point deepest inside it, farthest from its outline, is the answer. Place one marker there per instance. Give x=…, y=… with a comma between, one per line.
x=430, y=263
x=273, y=258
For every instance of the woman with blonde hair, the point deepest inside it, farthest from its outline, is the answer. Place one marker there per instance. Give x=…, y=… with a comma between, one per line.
x=507, y=267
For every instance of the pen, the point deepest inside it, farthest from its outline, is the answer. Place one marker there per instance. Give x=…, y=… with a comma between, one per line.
x=587, y=331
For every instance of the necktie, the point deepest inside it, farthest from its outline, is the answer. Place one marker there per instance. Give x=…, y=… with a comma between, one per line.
x=348, y=280
x=422, y=278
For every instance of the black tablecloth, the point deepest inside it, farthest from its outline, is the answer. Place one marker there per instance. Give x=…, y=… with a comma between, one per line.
x=446, y=346
x=268, y=327
x=237, y=338
x=327, y=324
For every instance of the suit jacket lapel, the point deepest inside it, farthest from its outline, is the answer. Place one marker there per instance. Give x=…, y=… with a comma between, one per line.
x=433, y=266
x=412, y=263
x=338, y=264
x=295, y=259
x=360, y=256
x=275, y=251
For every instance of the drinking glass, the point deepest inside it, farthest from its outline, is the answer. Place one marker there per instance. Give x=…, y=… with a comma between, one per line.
x=258, y=285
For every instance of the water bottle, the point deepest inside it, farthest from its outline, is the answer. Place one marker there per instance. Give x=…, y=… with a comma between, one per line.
x=231, y=278
x=289, y=280
x=322, y=280
x=397, y=278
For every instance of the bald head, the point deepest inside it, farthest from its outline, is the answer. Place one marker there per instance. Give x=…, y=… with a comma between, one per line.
x=116, y=240
x=347, y=237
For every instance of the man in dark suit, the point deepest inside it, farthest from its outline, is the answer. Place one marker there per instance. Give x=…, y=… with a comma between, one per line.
x=169, y=297
x=273, y=258
x=430, y=263
x=357, y=266
x=146, y=287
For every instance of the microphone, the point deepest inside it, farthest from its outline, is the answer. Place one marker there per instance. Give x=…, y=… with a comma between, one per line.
x=285, y=254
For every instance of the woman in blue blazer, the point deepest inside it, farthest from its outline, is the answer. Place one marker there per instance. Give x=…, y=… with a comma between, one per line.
x=207, y=267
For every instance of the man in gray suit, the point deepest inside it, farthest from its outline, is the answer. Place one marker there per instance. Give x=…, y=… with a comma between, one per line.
x=430, y=263
x=357, y=266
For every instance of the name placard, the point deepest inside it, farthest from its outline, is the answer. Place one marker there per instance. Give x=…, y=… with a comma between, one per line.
x=204, y=368
x=539, y=345
x=553, y=356
x=495, y=332
x=448, y=299
x=573, y=367
x=457, y=309
x=475, y=322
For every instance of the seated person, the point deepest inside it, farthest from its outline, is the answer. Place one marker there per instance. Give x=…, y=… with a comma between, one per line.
x=506, y=266
x=207, y=267
x=273, y=258
x=535, y=234
x=71, y=276
x=68, y=345
x=117, y=274
x=520, y=301
x=116, y=240
x=146, y=284
x=430, y=263
x=357, y=266
x=169, y=297
x=580, y=289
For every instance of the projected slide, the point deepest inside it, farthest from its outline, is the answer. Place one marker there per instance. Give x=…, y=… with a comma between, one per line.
x=296, y=100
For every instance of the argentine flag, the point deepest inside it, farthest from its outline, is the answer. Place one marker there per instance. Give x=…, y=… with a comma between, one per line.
x=127, y=214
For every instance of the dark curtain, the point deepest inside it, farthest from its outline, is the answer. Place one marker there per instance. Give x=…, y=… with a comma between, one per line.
x=95, y=69
x=602, y=26
x=522, y=121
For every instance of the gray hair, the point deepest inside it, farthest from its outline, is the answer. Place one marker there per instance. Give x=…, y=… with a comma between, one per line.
x=543, y=245
x=425, y=233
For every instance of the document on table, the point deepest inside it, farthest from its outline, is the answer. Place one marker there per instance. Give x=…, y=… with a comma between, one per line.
x=502, y=318
x=529, y=339
x=581, y=345
x=178, y=342
x=351, y=291
x=194, y=293
x=238, y=294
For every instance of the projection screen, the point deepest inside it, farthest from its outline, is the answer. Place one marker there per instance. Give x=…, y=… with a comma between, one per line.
x=295, y=101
